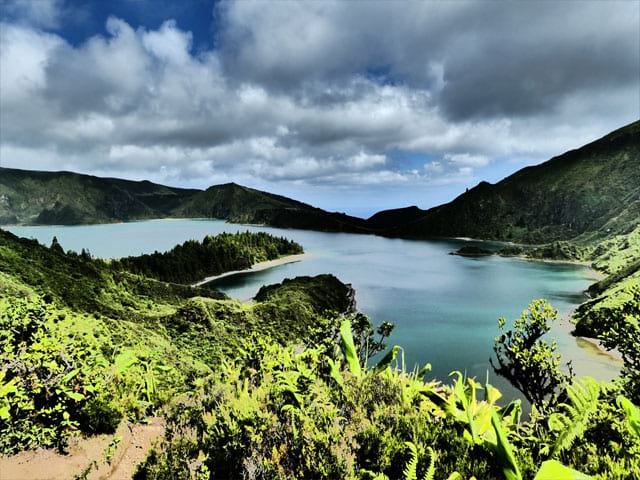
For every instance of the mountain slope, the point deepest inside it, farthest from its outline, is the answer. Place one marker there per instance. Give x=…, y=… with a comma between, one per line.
x=239, y=204
x=65, y=198
x=593, y=191
x=33, y=197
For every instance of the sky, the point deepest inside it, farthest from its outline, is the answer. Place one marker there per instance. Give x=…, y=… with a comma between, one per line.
x=352, y=106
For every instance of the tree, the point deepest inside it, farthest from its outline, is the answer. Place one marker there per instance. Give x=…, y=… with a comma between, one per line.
x=529, y=362
x=363, y=335
x=55, y=246
x=624, y=335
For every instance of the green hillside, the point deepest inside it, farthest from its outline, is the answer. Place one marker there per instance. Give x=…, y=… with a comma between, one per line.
x=65, y=198
x=583, y=194
x=239, y=204
x=85, y=343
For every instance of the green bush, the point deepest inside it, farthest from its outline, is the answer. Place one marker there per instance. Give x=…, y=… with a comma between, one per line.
x=100, y=415
x=46, y=378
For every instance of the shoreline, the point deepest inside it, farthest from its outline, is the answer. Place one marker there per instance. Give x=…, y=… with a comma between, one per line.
x=258, y=267
x=597, y=345
x=596, y=275
x=587, y=343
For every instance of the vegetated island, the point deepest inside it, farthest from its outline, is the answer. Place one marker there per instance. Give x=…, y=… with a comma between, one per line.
x=472, y=251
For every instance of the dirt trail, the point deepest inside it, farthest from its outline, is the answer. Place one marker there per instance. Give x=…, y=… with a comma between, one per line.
x=87, y=456
x=143, y=438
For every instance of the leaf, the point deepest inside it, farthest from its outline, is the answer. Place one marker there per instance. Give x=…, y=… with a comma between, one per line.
x=504, y=451
x=491, y=394
x=632, y=413
x=584, y=398
x=69, y=376
x=386, y=360
x=4, y=413
x=554, y=470
x=431, y=471
x=9, y=387
x=335, y=372
x=349, y=348
x=74, y=396
x=423, y=371
x=124, y=362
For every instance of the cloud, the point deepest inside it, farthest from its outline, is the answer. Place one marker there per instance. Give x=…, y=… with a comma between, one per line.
x=321, y=93
x=482, y=59
x=39, y=13
x=466, y=160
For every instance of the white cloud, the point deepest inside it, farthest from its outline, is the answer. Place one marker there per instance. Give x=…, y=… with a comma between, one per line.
x=39, y=13
x=466, y=160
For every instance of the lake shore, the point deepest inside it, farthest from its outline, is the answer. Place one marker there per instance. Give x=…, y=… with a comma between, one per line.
x=596, y=275
x=593, y=345
x=258, y=267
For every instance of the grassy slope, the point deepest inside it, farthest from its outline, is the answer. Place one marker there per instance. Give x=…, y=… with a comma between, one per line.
x=136, y=342
x=620, y=258
x=92, y=287
x=70, y=198
x=86, y=285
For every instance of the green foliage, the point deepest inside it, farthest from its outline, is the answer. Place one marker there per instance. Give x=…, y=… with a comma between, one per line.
x=596, y=317
x=322, y=293
x=554, y=470
x=572, y=419
x=349, y=349
x=193, y=261
x=100, y=414
x=623, y=333
x=63, y=373
x=46, y=377
x=88, y=285
x=285, y=416
x=410, y=471
x=528, y=361
x=632, y=414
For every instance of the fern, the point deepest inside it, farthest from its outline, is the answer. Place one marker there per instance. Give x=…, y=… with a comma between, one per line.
x=410, y=471
x=431, y=471
x=584, y=402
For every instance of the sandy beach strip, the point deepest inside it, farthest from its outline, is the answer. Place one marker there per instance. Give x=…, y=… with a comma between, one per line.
x=258, y=267
x=564, y=324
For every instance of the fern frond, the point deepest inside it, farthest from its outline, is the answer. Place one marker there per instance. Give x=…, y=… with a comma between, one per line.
x=410, y=471
x=584, y=401
x=431, y=471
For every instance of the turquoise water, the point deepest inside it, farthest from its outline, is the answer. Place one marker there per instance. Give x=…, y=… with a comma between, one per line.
x=445, y=307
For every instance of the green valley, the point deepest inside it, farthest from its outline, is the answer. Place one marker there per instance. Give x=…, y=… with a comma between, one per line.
x=296, y=384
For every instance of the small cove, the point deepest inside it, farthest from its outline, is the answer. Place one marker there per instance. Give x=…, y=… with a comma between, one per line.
x=445, y=307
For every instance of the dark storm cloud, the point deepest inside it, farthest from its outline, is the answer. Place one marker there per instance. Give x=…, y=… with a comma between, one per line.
x=526, y=61
x=477, y=58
